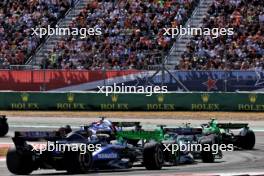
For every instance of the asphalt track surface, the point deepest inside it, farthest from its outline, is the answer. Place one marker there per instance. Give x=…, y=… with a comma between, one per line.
x=232, y=163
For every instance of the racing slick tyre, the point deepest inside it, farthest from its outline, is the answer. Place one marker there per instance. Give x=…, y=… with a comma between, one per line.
x=177, y=157
x=3, y=126
x=169, y=156
x=19, y=163
x=78, y=163
x=153, y=158
x=247, y=139
x=207, y=156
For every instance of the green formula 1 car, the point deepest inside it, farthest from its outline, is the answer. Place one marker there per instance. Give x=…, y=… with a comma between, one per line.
x=144, y=141
x=245, y=139
x=167, y=138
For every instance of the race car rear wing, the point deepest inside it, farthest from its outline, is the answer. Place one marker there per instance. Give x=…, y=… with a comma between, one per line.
x=38, y=135
x=232, y=125
x=21, y=137
x=156, y=135
x=123, y=124
x=126, y=124
x=184, y=131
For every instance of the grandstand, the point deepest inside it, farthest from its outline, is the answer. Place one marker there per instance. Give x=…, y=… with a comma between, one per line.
x=17, y=17
x=242, y=51
x=132, y=34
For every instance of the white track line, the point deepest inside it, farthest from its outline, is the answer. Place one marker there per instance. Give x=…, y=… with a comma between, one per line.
x=243, y=174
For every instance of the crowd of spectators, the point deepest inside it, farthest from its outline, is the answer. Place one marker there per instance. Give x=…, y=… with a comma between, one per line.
x=17, y=17
x=132, y=35
x=242, y=51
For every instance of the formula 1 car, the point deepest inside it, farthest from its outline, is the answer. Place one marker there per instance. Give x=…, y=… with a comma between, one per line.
x=132, y=134
x=175, y=137
x=24, y=158
x=3, y=125
x=197, y=144
x=222, y=132
x=138, y=137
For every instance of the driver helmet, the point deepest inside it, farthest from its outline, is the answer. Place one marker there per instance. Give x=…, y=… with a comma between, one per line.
x=107, y=123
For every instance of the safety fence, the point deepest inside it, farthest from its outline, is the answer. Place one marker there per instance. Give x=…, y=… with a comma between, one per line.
x=188, y=81
x=41, y=80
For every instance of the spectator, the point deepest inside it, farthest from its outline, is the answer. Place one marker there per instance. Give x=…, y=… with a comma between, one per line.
x=132, y=34
x=17, y=17
x=242, y=51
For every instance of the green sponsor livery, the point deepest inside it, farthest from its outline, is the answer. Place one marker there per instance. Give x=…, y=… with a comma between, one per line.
x=156, y=135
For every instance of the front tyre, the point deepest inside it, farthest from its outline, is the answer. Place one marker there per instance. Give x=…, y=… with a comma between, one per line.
x=207, y=156
x=19, y=163
x=153, y=158
x=247, y=139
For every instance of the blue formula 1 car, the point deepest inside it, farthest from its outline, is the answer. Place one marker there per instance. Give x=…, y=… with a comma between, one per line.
x=91, y=147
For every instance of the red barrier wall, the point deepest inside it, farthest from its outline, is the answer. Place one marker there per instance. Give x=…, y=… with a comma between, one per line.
x=33, y=80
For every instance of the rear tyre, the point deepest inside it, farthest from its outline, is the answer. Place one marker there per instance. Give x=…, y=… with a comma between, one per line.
x=177, y=157
x=19, y=163
x=169, y=156
x=78, y=163
x=153, y=158
x=247, y=139
x=3, y=127
x=207, y=155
